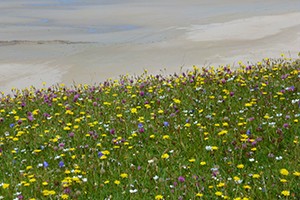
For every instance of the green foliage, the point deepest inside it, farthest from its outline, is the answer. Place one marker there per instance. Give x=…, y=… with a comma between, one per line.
x=207, y=133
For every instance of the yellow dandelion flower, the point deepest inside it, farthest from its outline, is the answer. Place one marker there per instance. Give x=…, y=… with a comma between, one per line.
x=218, y=193
x=283, y=180
x=192, y=160
x=202, y=163
x=124, y=175
x=296, y=173
x=240, y=166
x=284, y=172
x=223, y=132
x=52, y=192
x=221, y=184
x=105, y=152
x=165, y=156
x=225, y=124
x=152, y=136
x=199, y=195
x=176, y=101
x=159, y=197
x=266, y=116
x=64, y=196
x=160, y=111
x=256, y=176
x=285, y=193
x=5, y=185
x=117, y=182
x=214, y=148
x=133, y=110
x=32, y=180
x=187, y=125
x=165, y=137
x=247, y=187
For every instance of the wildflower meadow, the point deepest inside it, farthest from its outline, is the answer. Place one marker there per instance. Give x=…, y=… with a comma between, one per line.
x=207, y=133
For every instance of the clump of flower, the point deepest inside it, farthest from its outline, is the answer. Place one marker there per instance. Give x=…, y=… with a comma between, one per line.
x=207, y=133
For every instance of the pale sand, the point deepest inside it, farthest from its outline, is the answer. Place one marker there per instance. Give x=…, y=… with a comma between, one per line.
x=65, y=47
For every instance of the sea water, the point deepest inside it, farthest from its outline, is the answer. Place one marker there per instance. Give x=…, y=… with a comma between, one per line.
x=121, y=21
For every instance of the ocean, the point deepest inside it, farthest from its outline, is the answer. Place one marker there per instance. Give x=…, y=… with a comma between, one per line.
x=124, y=20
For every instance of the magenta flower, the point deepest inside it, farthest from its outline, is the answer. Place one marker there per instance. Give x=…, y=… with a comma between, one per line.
x=181, y=179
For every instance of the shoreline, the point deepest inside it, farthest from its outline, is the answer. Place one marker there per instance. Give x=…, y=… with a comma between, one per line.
x=93, y=58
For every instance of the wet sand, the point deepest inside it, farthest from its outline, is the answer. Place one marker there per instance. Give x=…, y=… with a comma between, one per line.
x=88, y=42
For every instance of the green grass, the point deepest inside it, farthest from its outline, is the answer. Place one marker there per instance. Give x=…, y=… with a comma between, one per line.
x=203, y=134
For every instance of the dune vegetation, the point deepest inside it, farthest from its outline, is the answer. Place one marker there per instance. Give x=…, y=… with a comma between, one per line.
x=208, y=133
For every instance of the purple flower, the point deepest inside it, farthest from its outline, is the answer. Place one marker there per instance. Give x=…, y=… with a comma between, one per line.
x=254, y=143
x=291, y=89
x=181, y=179
x=141, y=130
x=286, y=125
x=61, y=144
x=76, y=97
x=71, y=134
x=46, y=115
x=250, y=119
x=166, y=123
x=67, y=190
x=112, y=131
x=142, y=93
x=175, y=184
x=30, y=118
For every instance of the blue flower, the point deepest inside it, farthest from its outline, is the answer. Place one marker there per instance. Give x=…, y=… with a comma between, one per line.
x=248, y=132
x=100, y=154
x=166, y=123
x=61, y=164
x=140, y=125
x=45, y=164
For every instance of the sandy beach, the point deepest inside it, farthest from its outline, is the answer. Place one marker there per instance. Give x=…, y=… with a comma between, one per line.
x=76, y=41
